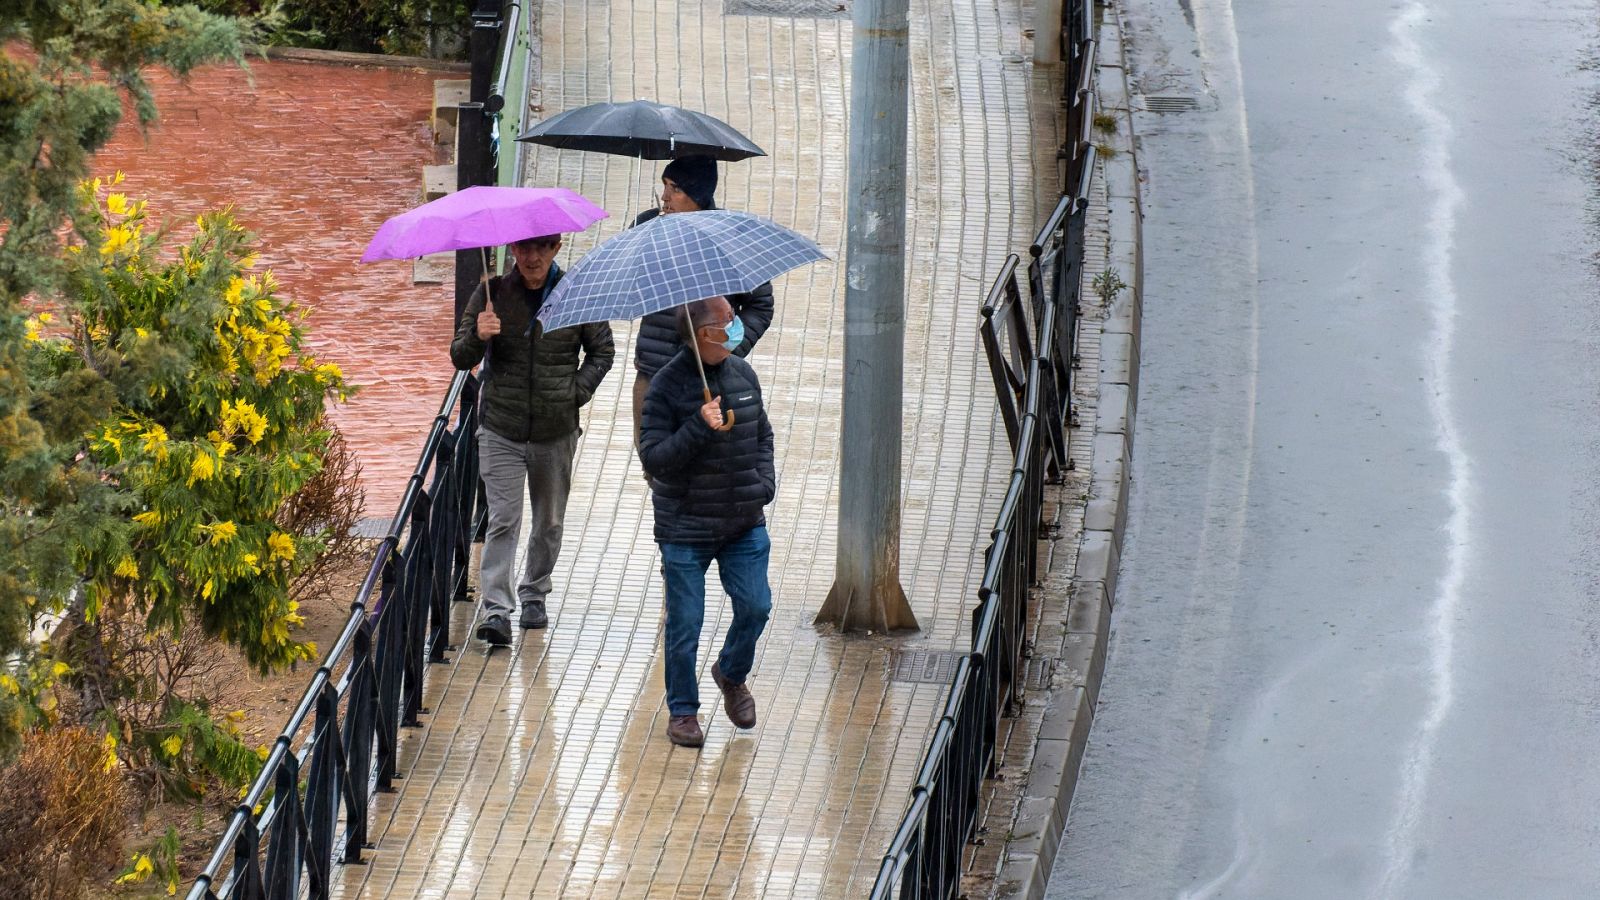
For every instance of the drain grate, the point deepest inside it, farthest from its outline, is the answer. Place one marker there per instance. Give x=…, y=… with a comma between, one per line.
x=925, y=666
x=1040, y=670
x=789, y=9
x=1169, y=104
x=939, y=667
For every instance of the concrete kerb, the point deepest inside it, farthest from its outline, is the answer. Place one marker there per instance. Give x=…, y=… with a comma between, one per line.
x=1069, y=704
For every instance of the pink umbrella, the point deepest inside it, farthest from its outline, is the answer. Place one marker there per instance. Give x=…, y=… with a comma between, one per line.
x=482, y=217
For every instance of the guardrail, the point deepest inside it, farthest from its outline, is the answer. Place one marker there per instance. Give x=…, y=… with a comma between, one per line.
x=308, y=808
x=305, y=793
x=1032, y=370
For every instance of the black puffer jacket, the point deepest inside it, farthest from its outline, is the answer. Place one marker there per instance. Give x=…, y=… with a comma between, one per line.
x=659, y=339
x=534, y=384
x=708, y=486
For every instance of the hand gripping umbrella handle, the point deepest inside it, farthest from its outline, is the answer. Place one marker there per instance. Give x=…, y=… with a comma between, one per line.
x=727, y=417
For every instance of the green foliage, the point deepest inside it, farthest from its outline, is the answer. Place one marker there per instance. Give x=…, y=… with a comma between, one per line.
x=160, y=861
x=1107, y=285
x=64, y=67
x=408, y=27
x=213, y=423
x=192, y=749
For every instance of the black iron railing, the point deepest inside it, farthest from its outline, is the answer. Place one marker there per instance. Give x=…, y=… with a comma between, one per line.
x=1032, y=368
x=314, y=798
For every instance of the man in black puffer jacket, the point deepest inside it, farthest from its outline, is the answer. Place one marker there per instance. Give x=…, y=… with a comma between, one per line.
x=688, y=184
x=528, y=425
x=710, y=486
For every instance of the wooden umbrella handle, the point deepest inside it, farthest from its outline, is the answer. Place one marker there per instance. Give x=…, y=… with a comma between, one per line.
x=727, y=417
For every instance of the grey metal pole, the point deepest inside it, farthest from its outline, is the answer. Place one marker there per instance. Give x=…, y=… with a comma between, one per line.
x=866, y=594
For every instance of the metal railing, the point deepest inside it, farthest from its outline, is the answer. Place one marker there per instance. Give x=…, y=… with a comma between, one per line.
x=1032, y=369
x=308, y=808
x=304, y=794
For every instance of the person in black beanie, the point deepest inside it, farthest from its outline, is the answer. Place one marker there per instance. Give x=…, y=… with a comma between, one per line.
x=688, y=184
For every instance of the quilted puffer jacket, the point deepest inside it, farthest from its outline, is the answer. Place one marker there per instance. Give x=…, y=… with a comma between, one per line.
x=707, y=486
x=534, y=382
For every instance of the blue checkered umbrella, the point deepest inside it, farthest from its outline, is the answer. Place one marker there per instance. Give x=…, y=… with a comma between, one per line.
x=672, y=260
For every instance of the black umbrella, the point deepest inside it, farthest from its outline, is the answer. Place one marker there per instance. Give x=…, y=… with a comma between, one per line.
x=644, y=130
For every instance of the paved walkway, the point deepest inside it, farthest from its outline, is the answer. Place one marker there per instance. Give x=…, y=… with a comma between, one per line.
x=544, y=771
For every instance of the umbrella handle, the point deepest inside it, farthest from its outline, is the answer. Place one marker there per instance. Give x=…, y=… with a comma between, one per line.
x=727, y=417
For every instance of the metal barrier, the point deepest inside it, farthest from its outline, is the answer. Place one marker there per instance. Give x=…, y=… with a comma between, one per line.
x=1032, y=371
x=304, y=794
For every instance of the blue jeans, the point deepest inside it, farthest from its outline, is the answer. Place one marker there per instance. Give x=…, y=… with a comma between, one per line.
x=742, y=561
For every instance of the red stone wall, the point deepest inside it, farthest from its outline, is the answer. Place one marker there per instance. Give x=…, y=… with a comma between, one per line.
x=313, y=158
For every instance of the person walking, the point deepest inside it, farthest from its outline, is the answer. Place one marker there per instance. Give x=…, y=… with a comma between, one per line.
x=688, y=184
x=709, y=489
x=534, y=385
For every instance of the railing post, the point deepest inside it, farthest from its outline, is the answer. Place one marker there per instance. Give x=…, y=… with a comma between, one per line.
x=323, y=791
x=359, y=724
x=286, y=849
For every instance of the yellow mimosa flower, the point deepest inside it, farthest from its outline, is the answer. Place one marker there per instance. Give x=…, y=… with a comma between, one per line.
x=202, y=468
x=116, y=240
x=221, y=532
x=281, y=545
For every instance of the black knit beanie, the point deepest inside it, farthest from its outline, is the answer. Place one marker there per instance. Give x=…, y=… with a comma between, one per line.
x=695, y=176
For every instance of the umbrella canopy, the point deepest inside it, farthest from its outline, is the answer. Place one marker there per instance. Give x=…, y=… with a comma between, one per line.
x=642, y=129
x=482, y=217
x=672, y=260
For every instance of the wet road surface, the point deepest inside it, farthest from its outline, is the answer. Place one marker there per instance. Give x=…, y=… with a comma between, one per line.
x=1354, y=652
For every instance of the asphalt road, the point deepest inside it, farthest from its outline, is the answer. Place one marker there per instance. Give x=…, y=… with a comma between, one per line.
x=1355, y=647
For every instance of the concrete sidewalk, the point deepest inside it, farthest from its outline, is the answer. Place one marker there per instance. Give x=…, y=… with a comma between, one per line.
x=545, y=770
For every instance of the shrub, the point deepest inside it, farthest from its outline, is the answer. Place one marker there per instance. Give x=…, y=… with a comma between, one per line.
x=65, y=813
x=408, y=27
x=212, y=420
x=327, y=508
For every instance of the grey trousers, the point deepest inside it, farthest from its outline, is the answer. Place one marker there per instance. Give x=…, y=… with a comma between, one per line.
x=505, y=466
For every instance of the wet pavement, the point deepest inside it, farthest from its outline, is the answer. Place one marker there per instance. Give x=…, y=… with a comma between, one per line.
x=544, y=770
x=1354, y=652
x=314, y=157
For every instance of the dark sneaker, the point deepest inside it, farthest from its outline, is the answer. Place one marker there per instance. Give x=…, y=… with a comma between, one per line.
x=496, y=630
x=685, y=731
x=736, y=700
x=533, y=614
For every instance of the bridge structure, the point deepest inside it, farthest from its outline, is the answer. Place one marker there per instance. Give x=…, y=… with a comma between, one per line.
x=544, y=769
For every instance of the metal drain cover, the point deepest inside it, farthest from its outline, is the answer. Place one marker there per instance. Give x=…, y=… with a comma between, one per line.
x=1169, y=104
x=939, y=667
x=789, y=9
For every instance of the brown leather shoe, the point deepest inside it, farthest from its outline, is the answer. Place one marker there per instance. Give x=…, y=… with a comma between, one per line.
x=736, y=700
x=685, y=731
